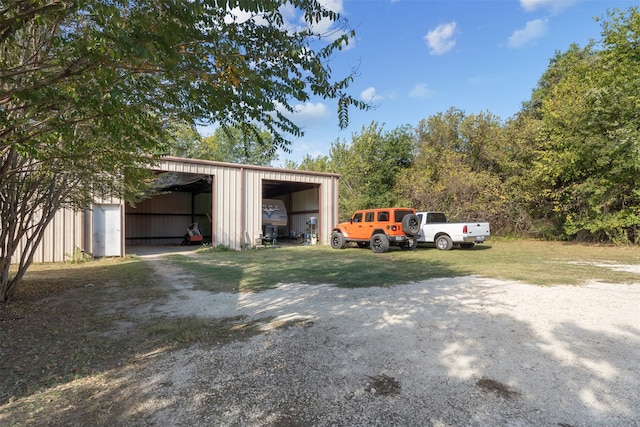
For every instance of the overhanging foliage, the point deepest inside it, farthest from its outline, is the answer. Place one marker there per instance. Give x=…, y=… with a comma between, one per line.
x=88, y=89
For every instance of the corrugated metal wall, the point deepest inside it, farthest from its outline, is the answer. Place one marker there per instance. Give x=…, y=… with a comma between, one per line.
x=165, y=217
x=237, y=199
x=63, y=236
x=68, y=232
x=235, y=206
x=304, y=206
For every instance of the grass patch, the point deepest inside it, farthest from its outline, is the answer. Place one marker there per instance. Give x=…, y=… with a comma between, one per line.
x=540, y=263
x=252, y=271
x=56, y=328
x=545, y=263
x=51, y=278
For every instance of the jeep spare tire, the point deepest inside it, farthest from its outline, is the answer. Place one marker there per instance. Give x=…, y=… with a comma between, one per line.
x=411, y=224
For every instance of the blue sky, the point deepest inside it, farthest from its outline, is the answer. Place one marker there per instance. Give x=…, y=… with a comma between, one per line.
x=416, y=58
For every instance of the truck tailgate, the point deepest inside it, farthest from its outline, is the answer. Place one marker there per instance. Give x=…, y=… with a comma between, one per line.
x=477, y=229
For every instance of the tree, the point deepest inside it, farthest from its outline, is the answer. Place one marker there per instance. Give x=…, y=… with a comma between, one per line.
x=320, y=163
x=239, y=144
x=588, y=162
x=182, y=140
x=89, y=88
x=369, y=166
x=454, y=167
x=526, y=211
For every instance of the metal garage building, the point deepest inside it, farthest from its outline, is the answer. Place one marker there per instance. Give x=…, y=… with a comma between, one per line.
x=225, y=199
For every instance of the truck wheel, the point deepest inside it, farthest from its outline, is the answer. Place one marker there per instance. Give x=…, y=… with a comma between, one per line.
x=466, y=245
x=379, y=243
x=337, y=240
x=411, y=224
x=409, y=245
x=363, y=245
x=444, y=243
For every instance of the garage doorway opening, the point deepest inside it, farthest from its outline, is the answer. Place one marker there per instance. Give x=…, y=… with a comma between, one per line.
x=177, y=201
x=301, y=201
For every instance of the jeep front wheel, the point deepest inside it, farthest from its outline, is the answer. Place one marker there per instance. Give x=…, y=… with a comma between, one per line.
x=337, y=240
x=379, y=243
x=410, y=224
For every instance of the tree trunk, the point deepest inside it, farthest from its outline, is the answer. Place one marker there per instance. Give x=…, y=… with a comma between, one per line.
x=29, y=199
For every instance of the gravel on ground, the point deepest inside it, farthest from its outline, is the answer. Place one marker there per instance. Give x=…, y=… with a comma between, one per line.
x=465, y=351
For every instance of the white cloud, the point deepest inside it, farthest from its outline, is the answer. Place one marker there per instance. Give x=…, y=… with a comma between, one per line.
x=420, y=90
x=240, y=16
x=306, y=114
x=326, y=27
x=370, y=95
x=333, y=5
x=441, y=40
x=294, y=20
x=288, y=11
x=310, y=111
x=531, y=5
x=533, y=30
x=555, y=6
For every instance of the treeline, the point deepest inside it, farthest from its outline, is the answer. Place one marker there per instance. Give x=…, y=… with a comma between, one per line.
x=567, y=166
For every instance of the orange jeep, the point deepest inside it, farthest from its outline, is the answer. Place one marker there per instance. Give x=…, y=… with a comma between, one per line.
x=378, y=228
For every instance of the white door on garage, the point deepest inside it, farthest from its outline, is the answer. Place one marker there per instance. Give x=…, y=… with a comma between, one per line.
x=107, y=230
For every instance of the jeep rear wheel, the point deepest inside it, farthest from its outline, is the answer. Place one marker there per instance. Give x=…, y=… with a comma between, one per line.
x=337, y=240
x=410, y=224
x=444, y=243
x=379, y=243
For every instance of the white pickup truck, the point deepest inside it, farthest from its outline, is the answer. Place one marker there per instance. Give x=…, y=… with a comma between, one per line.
x=434, y=228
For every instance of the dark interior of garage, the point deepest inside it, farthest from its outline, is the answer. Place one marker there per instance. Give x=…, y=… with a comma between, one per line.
x=178, y=200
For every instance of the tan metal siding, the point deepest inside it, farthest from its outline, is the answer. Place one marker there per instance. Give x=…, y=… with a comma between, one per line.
x=237, y=198
x=227, y=208
x=304, y=205
x=108, y=201
x=252, y=206
x=202, y=207
x=328, y=209
x=61, y=238
x=165, y=209
x=235, y=206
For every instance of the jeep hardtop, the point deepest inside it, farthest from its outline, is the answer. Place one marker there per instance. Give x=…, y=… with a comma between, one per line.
x=378, y=229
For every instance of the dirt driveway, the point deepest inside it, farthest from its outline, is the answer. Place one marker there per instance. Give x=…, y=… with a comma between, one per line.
x=467, y=351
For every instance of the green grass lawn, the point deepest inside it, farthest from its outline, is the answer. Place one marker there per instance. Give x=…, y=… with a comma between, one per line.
x=539, y=263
